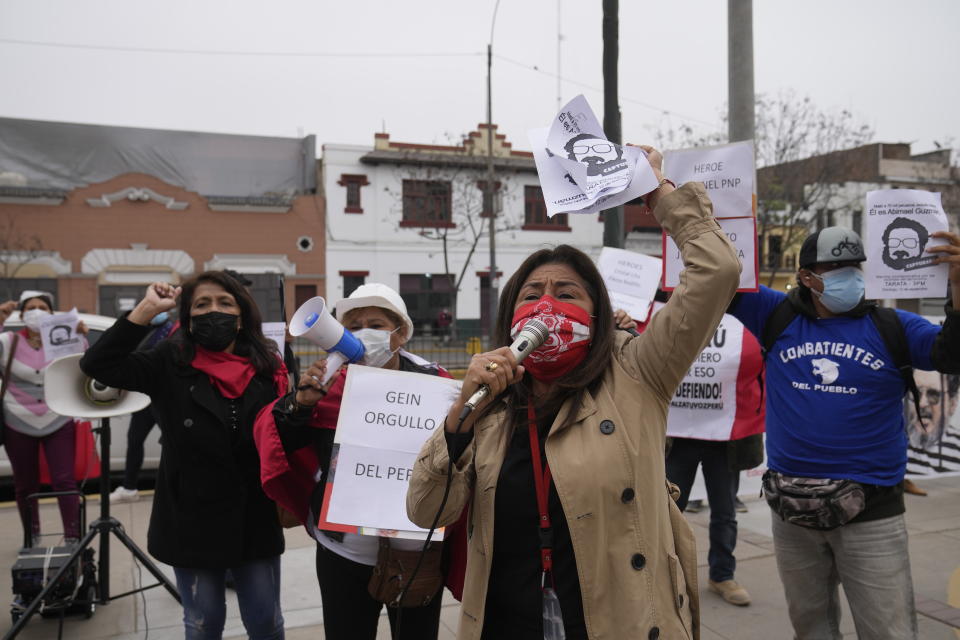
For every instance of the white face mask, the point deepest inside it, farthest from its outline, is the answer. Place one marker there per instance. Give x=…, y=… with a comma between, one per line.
x=376, y=343
x=33, y=318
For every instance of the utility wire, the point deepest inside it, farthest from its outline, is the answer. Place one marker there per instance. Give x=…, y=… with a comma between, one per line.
x=224, y=52
x=647, y=105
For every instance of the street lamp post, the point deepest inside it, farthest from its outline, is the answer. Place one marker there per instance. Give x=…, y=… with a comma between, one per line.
x=489, y=187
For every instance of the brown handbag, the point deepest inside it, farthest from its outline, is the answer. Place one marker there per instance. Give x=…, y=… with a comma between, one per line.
x=6, y=381
x=392, y=572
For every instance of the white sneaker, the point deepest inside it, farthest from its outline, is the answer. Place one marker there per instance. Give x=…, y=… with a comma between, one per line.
x=122, y=494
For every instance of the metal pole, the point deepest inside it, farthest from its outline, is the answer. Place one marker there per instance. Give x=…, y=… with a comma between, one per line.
x=740, y=69
x=612, y=218
x=491, y=209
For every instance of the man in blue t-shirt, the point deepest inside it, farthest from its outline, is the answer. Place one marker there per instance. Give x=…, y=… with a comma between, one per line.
x=834, y=410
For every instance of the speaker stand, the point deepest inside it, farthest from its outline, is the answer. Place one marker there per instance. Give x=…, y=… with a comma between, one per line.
x=103, y=526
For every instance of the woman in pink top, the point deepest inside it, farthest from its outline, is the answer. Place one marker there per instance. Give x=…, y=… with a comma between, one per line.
x=29, y=423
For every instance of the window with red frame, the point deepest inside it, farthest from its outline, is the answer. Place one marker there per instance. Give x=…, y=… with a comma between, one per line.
x=535, y=212
x=426, y=203
x=352, y=183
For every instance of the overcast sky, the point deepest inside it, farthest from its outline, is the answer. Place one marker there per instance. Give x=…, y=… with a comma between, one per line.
x=226, y=66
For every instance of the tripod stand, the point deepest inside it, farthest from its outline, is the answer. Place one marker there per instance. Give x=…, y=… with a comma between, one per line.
x=103, y=527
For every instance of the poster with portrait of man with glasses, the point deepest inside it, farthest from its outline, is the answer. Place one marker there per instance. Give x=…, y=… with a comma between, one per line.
x=901, y=226
x=934, y=433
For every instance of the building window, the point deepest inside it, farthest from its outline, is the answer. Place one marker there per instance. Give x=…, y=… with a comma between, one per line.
x=774, y=252
x=302, y=293
x=352, y=183
x=426, y=203
x=425, y=294
x=352, y=280
x=535, y=213
x=497, y=198
x=858, y=220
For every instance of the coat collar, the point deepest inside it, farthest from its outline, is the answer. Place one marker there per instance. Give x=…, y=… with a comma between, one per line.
x=588, y=407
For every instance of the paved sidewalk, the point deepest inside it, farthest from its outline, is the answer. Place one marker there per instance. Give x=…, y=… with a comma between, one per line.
x=933, y=522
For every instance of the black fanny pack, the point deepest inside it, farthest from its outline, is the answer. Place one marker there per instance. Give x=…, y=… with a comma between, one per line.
x=815, y=503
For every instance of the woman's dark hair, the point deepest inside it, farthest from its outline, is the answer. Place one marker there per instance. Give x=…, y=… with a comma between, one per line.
x=250, y=343
x=589, y=374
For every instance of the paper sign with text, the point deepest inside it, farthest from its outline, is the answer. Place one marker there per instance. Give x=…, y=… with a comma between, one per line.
x=276, y=331
x=726, y=171
x=742, y=232
x=385, y=418
x=705, y=404
x=631, y=280
x=58, y=334
x=898, y=227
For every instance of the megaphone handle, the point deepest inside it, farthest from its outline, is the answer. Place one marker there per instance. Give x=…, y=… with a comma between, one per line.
x=335, y=360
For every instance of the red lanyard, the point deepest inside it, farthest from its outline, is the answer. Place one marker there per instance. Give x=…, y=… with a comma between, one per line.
x=541, y=480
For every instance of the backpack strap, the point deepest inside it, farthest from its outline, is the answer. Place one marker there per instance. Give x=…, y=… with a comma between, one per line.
x=778, y=320
x=895, y=338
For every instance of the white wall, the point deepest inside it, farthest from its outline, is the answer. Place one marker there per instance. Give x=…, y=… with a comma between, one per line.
x=373, y=241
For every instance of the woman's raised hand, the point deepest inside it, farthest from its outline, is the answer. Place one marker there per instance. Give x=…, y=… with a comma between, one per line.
x=6, y=309
x=497, y=369
x=160, y=297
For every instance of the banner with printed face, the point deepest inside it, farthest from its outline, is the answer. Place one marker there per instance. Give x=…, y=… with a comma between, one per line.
x=580, y=170
x=631, y=280
x=742, y=233
x=58, y=335
x=899, y=224
x=726, y=171
x=385, y=418
x=935, y=432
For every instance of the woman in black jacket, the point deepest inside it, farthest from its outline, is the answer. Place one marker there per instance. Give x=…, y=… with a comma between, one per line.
x=207, y=385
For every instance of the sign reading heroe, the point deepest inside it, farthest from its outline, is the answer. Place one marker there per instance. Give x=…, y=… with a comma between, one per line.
x=385, y=418
x=580, y=170
x=58, y=335
x=899, y=225
x=631, y=280
x=726, y=171
x=728, y=175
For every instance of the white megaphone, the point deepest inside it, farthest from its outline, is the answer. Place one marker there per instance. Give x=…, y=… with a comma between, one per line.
x=314, y=322
x=70, y=392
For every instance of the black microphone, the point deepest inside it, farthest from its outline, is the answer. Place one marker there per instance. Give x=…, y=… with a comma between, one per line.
x=533, y=334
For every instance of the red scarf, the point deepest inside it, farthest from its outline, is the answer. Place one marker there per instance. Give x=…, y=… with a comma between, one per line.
x=230, y=374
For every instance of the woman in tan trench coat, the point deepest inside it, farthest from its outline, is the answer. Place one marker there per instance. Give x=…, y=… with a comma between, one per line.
x=587, y=524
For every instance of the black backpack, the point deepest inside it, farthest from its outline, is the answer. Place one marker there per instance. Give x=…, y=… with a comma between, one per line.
x=887, y=323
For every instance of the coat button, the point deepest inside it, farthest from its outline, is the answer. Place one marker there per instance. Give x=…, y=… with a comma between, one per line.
x=638, y=561
x=188, y=422
x=606, y=427
x=191, y=388
x=627, y=495
x=654, y=634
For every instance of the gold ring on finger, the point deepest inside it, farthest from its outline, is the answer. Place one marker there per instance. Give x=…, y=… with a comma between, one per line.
x=491, y=366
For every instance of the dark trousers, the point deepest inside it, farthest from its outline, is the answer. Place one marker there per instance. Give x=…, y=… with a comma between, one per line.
x=349, y=613
x=140, y=425
x=24, y=453
x=685, y=456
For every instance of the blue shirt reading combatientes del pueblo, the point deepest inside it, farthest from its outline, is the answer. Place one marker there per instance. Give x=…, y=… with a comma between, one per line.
x=834, y=396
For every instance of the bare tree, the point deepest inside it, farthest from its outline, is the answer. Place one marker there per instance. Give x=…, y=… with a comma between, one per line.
x=802, y=159
x=461, y=221
x=17, y=249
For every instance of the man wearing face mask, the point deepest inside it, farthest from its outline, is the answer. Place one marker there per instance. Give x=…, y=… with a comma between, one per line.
x=835, y=419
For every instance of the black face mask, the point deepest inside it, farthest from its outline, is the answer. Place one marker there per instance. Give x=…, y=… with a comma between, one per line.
x=214, y=330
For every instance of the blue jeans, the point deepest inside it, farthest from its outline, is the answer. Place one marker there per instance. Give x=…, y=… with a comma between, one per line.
x=685, y=456
x=203, y=593
x=869, y=558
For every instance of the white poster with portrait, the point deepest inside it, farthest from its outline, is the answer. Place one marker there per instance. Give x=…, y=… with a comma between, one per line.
x=899, y=224
x=727, y=172
x=58, y=335
x=742, y=233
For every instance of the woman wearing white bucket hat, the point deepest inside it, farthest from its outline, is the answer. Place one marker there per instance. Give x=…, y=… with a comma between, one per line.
x=377, y=316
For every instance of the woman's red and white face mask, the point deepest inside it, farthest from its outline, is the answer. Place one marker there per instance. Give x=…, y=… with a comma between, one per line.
x=567, y=343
